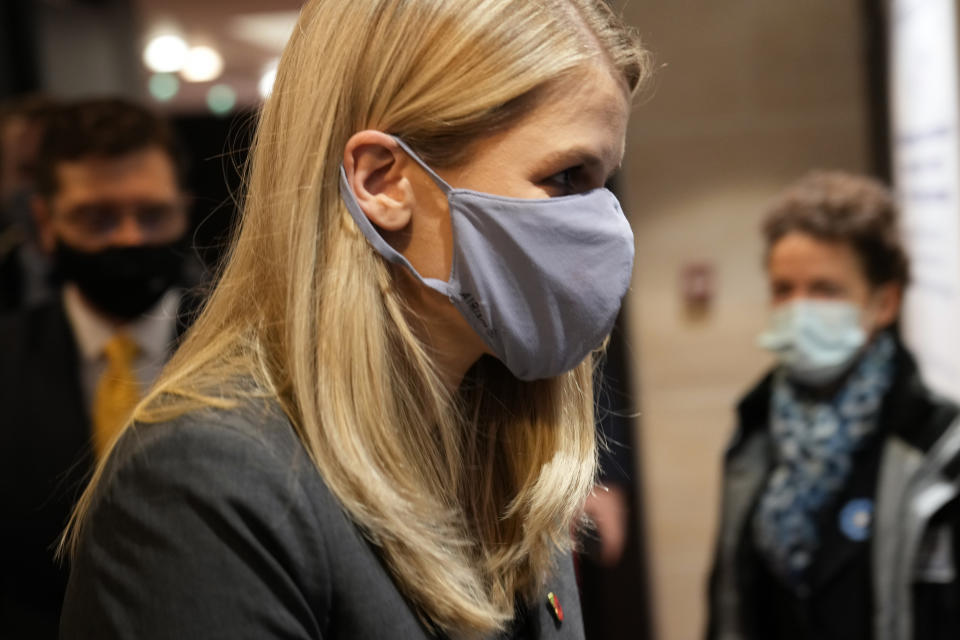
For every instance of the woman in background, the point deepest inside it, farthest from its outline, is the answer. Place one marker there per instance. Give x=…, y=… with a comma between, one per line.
x=381, y=425
x=840, y=516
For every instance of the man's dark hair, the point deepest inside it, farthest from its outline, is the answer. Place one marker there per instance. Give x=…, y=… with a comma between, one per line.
x=29, y=107
x=102, y=128
x=34, y=108
x=858, y=211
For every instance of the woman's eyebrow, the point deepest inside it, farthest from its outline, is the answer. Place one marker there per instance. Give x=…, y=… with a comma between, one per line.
x=574, y=156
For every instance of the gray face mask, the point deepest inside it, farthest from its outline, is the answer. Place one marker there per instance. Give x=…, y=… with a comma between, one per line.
x=540, y=281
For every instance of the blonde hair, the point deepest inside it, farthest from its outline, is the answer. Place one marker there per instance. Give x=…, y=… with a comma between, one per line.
x=468, y=494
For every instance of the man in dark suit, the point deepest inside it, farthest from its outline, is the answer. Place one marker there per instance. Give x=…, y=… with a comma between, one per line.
x=112, y=215
x=24, y=269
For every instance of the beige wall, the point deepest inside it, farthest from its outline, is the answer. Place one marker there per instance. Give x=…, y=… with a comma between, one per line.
x=747, y=96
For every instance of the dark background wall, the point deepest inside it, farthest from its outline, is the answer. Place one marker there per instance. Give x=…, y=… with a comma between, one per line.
x=18, y=64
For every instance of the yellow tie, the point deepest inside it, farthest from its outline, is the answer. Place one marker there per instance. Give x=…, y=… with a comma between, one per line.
x=117, y=391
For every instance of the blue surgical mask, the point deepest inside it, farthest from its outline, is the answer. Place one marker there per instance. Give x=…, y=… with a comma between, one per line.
x=540, y=281
x=816, y=341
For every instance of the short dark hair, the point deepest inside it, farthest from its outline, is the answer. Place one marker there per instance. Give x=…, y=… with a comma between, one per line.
x=856, y=210
x=102, y=128
x=34, y=108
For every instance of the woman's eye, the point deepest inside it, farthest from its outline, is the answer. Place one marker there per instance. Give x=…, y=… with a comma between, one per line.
x=565, y=181
x=828, y=290
x=780, y=291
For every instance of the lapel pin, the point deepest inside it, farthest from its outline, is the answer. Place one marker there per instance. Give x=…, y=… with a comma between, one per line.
x=555, y=607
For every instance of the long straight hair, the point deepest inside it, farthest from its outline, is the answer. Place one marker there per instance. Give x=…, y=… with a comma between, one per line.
x=467, y=494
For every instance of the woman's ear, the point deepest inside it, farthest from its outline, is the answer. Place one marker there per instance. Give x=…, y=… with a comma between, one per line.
x=887, y=299
x=375, y=164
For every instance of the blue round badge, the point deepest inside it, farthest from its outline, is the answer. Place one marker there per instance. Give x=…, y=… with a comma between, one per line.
x=856, y=519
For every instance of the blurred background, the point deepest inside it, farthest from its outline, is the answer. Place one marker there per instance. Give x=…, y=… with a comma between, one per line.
x=747, y=96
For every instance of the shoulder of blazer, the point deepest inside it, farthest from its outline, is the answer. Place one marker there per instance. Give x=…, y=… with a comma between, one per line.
x=912, y=411
x=207, y=485
x=259, y=432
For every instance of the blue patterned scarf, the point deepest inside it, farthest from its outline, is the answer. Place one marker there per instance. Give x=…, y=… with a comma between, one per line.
x=815, y=441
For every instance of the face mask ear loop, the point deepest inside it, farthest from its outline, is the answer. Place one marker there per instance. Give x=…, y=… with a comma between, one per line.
x=444, y=286
x=379, y=243
x=446, y=188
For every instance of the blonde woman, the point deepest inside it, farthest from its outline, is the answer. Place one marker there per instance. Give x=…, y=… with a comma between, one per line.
x=381, y=425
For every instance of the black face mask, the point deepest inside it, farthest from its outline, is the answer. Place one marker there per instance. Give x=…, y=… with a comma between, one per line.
x=123, y=282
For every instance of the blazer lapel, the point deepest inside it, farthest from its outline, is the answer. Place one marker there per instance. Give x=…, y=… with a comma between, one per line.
x=53, y=402
x=556, y=611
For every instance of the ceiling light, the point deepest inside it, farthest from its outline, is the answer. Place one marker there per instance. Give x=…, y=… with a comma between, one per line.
x=221, y=99
x=165, y=54
x=203, y=64
x=164, y=86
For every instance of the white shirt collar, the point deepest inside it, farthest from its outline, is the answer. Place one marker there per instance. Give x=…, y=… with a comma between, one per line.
x=154, y=331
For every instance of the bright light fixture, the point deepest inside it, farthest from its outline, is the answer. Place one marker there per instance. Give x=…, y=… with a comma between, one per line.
x=165, y=53
x=203, y=64
x=267, y=79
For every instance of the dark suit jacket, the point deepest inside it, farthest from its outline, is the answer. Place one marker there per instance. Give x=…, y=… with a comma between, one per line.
x=217, y=525
x=45, y=457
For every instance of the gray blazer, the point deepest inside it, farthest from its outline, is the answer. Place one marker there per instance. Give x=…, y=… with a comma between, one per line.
x=217, y=525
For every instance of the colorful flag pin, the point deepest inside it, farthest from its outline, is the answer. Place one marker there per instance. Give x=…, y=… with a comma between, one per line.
x=555, y=607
